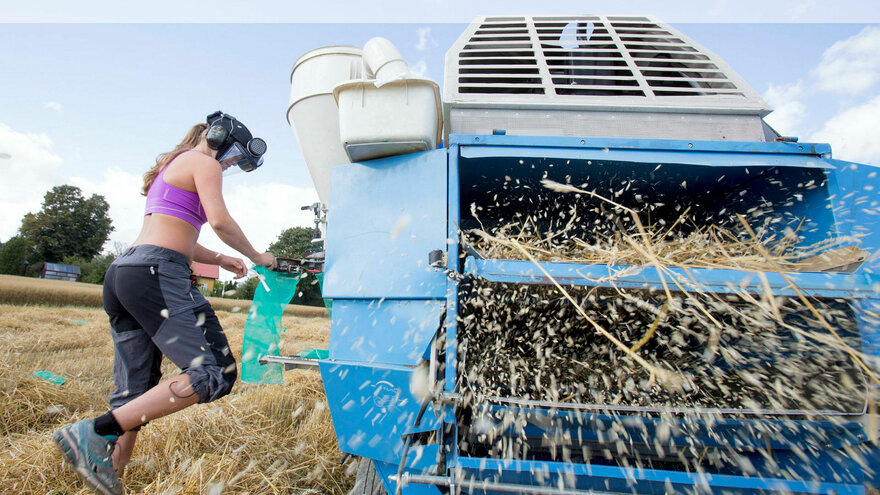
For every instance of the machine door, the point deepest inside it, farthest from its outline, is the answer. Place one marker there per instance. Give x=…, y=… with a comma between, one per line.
x=384, y=217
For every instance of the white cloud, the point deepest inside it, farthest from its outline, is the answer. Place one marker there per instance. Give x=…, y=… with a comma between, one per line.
x=852, y=65
x=424, y=34
x=262, y=212
x=52, y=105
x=28, y=173
x=420, y=68
x=121, y=189
x=789, y=112
x=853, y=133
x=847, y=71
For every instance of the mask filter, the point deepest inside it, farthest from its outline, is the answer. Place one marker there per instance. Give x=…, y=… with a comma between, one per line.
x=257, y=146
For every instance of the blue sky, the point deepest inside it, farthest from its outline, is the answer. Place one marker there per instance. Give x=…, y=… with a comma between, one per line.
x=92, y=104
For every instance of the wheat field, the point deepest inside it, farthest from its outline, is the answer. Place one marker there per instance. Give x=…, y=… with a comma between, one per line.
x=38, y=291
x=259, y=439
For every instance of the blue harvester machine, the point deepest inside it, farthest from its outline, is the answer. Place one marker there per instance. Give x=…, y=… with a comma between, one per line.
x=456, y=368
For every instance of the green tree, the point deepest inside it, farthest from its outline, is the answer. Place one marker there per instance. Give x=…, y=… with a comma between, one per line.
x=308, y=292
x=98, y=268
x=68, y=224
x=246, y=289
x=221, y=288
x=13, y=254
x=296, y=242
x=293, y=242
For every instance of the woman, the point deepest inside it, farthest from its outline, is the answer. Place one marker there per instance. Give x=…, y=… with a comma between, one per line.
x=155, y=310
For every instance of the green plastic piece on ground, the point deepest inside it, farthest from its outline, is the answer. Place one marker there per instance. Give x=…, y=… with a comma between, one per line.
x=262, y=335
x=314, y=353
x=78, y=321
x=50, y=377
x=328, y=303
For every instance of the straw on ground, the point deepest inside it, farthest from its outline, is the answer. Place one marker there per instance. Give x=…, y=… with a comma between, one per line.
x=259, y=439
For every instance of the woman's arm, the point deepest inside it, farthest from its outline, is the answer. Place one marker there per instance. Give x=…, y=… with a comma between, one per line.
x=209, y=185
x=229, y=263
x=205, y=255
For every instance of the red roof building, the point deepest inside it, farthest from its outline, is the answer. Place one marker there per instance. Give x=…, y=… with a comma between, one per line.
x=206, y=275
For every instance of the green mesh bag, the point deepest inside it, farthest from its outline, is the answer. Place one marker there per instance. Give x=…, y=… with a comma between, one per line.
x=263, y=326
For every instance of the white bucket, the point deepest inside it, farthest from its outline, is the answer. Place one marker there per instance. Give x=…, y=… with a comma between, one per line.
x=402, y=116
x=312, y=112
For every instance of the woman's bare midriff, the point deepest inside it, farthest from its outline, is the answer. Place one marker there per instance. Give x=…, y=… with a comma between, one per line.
x=168, y=232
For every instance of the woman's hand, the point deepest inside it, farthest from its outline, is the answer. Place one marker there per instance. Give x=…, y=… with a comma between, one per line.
x=266, y=259
x=234, y=265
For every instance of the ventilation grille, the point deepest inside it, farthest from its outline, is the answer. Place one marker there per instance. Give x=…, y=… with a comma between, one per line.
x=562, y=58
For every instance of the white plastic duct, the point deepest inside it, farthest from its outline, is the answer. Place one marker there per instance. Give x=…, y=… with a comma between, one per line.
x=383, y=61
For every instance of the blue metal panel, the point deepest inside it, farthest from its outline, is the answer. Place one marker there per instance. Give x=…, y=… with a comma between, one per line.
x=706, y=429
x=651, y=157
x=857, y=207
x=694, y=279
x=868, y=315
x=454, y=263
x=384, y=217
x=392, y=331
x=372, y=407
x=635, y=480
x=648, y=144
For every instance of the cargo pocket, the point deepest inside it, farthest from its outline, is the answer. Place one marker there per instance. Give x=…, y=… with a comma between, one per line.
x=197, y=296
x=175, y=285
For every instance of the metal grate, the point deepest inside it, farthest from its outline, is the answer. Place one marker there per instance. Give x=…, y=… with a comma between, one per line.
x=592, y=56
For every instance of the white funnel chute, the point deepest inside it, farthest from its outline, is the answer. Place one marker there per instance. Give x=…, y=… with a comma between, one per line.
x=312, y=111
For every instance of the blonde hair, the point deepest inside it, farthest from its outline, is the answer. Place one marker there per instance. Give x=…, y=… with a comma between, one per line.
x=190, y=141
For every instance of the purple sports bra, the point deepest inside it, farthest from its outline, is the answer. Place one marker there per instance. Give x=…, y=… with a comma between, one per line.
x=170, y=200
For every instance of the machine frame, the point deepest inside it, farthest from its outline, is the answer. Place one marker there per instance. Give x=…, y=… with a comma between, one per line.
x=396, y=313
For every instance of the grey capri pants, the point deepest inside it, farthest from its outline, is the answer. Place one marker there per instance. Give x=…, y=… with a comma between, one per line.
x=155, y=310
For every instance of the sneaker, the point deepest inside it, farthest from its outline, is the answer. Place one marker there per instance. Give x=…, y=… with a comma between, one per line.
x=90, y=455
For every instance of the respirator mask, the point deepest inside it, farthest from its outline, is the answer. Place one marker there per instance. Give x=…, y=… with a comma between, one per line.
x=237, y=149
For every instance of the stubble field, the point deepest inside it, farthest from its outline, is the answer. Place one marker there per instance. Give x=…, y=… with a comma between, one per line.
x=259, y=439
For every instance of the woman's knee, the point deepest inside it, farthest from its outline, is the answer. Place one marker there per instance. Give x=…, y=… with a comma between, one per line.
x=211, y=382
